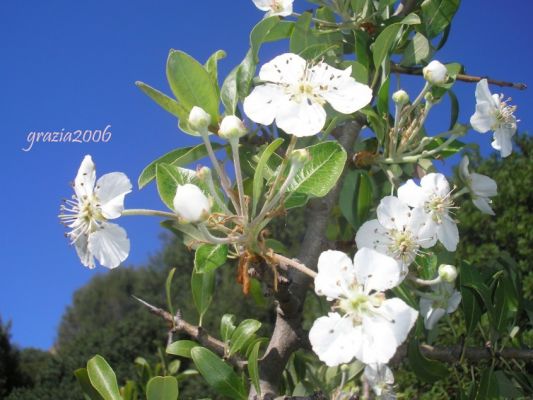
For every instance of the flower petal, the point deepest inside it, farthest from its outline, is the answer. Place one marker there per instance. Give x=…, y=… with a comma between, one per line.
x=422, y=228
x=448, y=233
x=453, y=302
x=484, y=118
x=432, y=317
x=110, y=191
x=82, y=249
x=84, y=181
x=304, y=118
x=412, y=194
x=483, y=205
x=393, y=213
x=110, y=245
x=503, y=140
x=483, y=94
x=376, y=271
x=262, y=104
x=335, y=274
x=463, y=169
x=372, y=235
x=287, y=68
x=483, y=186
x=435, y=183
x=334, y=339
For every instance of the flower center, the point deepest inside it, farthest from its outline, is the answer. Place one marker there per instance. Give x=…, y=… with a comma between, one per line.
x=276, y=6
x=402, y=244
x=83, y=215
x=505, y=114
x=438, y=207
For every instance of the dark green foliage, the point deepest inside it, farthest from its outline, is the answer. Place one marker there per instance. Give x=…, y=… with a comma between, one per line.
x=10, y=373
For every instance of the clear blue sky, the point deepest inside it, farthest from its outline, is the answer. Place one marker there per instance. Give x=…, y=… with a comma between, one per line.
x=73, y=65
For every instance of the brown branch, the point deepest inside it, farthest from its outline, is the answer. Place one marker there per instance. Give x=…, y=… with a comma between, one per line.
x=288, y=335
x=285, y=262
x=195, y=332
x=460, y=77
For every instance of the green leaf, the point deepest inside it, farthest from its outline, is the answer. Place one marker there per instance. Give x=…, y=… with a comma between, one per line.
x=356, y=197
x=181, y=348
x=452, y=148
x=87, y=388
x=260, y=170
x=383, y=99
x=259, y=33
x=211, y=66
x=488, y=386
x=162, y=388
x=471, y=302
x=253, y=368
x=282, y=30
x=218, y=374
x=505, y=304
x=191, y=84
x=426, y=369
x=103, y=378
x=227, y=326
x=302, y=36
x=168, y=286
x=242, y=333
x=203, y=287
x=384, y=43
x=167, y=103
x=320, y=174
x=177, y=157
x=209, y=257
x=437, y=15
x=129, y=391
x=417, y=51
x=454, y=109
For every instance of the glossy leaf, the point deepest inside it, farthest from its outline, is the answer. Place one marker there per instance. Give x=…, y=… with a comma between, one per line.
x=181, y=348
x=470, y=301
x=85, y=383
x=384, y=43
x=356, y=197
x=209, y=257
x=417, y=51
x=219, y=375
x=162, y=388
x=253, y=368
x=243, y=333
x=191, y=83
x=488, y=386
x=424, y=368
x=103, y=378
x=211, y=66
x=260, y=171
x=167, y=103
x=168, y=287
x=438, y=14
x=177, y=157
x=320, y=174
x=259, y=33
x=129, y=391
x=203, y=287
x=227, y=326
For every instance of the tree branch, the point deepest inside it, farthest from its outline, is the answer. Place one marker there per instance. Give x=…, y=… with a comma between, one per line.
x=460, y=77
x=288, y=335
x=195, y=332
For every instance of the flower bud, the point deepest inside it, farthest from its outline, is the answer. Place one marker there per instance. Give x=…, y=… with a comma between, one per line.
x=232, y=127
x=203, y=173
x=300, y=156
x=199, y=120
x=400, y=97
x=447, y=273
x=435, y=73
x=191, y=204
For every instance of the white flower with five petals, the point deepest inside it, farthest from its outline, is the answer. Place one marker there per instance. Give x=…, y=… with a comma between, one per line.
x=88, y=212
x=399, y=231
x=367, y=326
x=494, y=114
x=283, y=8
x=294, y=93
x=444, y=299
x=481, y=187
x=434, y=197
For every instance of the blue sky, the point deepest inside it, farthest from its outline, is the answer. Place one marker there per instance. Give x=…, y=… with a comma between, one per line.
x=73, y=65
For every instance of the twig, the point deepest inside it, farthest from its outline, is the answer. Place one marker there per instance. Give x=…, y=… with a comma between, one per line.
x=195, y=332
x=285, y=262
x=460, y=77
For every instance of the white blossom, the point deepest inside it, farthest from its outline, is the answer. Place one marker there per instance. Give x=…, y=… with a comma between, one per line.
x=399, y=231
x=481, y=187
x=191, y=204
x=435, y=73
x=365, y=324
x=88, y=212
x=434, y=197
x=199, y=120
x=232, y=127
x=294, y=93
x=283, y=8
x=380, y=379
x=448, y=273
x=444, y=299
x=494, y=114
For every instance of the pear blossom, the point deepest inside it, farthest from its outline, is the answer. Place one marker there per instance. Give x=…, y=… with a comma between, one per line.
x=283, y=8
x=494, y=114
x=435, y=73
x=398, y=232
x=294, y=93
x=434, y=197
x=199, y=119
x=87, y=214
x=380, y=379
x=443, y=300
x=191, y=204
x=364, y=324
x=232, y=127
x=448, y=273
x=481, y=187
